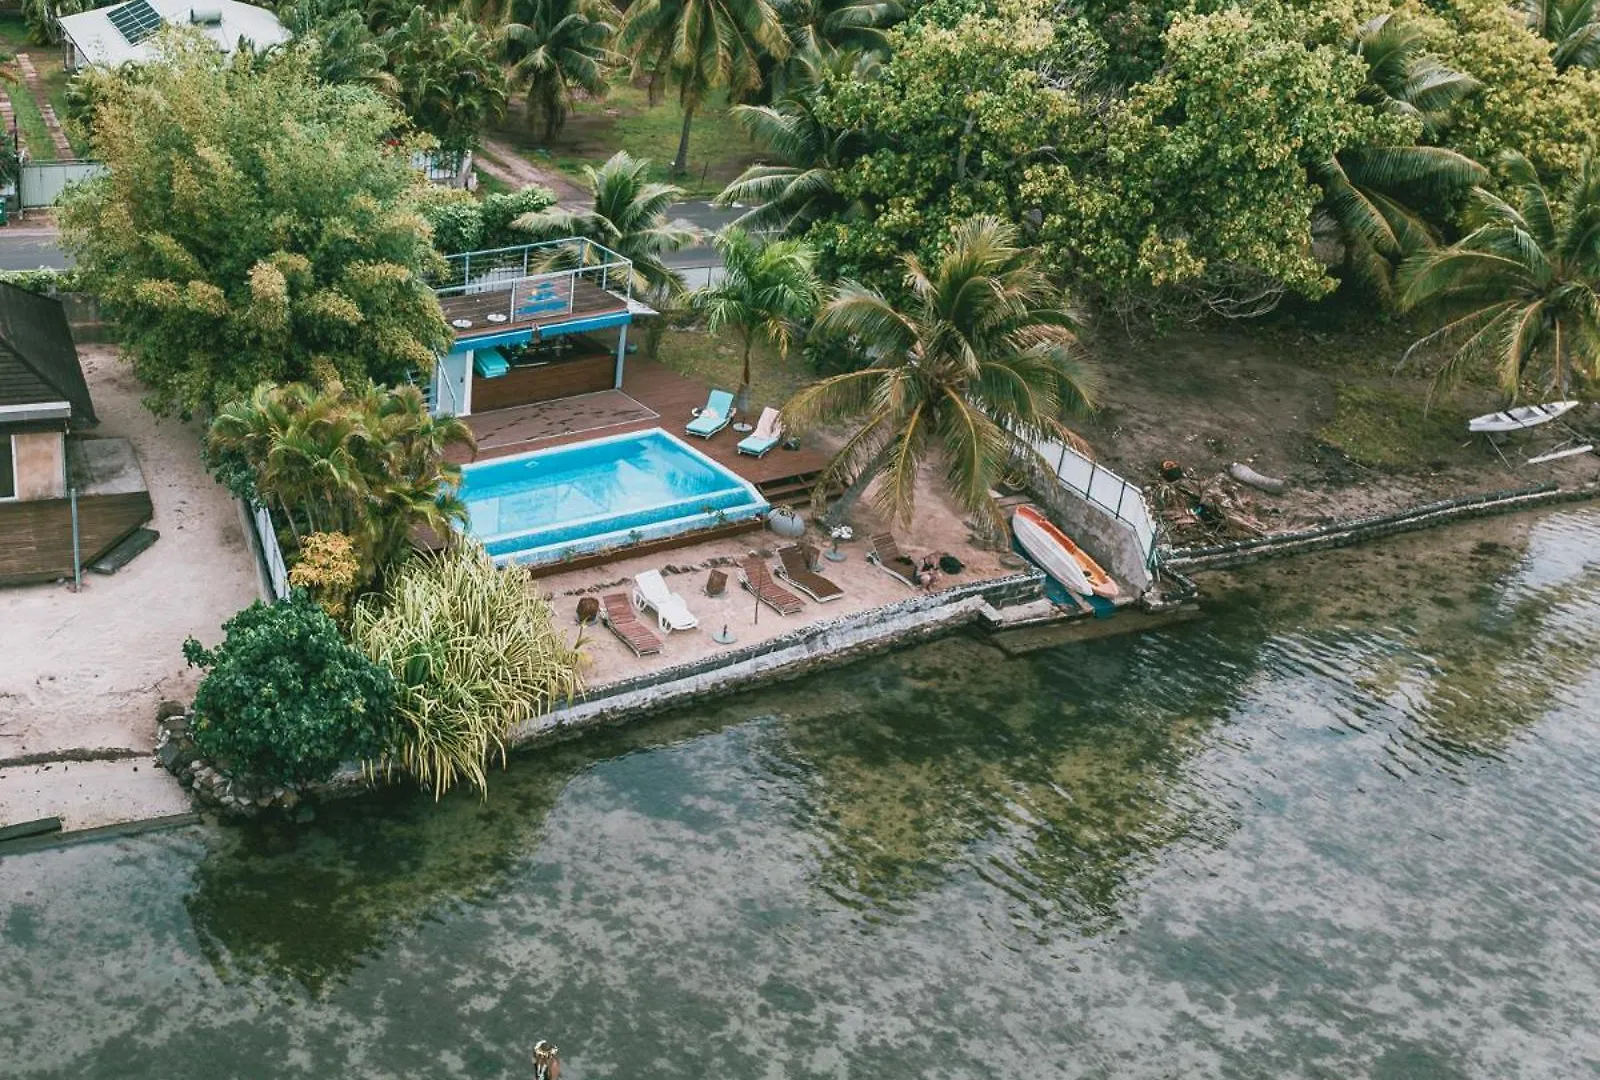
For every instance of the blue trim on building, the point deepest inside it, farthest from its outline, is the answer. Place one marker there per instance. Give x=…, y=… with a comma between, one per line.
x=523, y=335
x=593, y=322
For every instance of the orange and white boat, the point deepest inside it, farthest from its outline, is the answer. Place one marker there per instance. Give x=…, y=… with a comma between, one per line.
x=1059, y=557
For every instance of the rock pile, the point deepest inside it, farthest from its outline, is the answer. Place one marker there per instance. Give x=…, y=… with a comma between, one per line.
x=231, y=796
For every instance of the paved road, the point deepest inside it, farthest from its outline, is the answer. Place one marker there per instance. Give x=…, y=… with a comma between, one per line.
x=29, y=249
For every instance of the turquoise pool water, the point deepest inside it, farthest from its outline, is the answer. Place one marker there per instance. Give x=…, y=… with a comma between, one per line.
x=573, y=500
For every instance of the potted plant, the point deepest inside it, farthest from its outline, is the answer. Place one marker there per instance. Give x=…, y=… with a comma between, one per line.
x=838, y=533
x=783, y=521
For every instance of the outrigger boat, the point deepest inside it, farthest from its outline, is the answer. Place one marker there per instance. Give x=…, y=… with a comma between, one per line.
x=1523, y=416
x=1059, y=557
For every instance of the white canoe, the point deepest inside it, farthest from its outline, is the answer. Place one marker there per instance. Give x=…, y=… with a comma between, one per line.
x=1058, y=556
x=1523, y=416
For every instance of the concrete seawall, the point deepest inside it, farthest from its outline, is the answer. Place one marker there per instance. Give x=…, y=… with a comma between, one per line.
x=1360, y=530
x=787, y=656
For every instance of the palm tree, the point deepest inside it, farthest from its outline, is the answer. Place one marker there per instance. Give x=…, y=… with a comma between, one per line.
x=629, y=216
x=1571, y=26
x=820, y=31
x=1524, y=283
x=825, y=27
x=1404, y=78
x=1368, y=191
x=984, y=360
x=448, y=80
x=803, y=190
x=766, y=289
x=556, y=47
x=369, y=464
x=702, y=45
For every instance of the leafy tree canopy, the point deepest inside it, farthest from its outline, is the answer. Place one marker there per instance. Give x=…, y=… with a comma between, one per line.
x=255, y=225
x=1202, y=181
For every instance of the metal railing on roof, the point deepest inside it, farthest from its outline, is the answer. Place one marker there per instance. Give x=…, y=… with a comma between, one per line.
x=501, y=267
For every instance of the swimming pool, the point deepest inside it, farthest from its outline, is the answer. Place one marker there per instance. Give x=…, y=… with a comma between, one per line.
x=550, y=505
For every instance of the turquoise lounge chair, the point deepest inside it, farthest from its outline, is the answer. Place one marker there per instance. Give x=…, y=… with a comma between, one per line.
x=768, y=433
x=714, y=417
x=490, y=363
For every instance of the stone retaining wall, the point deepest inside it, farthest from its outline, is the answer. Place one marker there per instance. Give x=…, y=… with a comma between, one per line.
x=788, y=655
x=1359, y=530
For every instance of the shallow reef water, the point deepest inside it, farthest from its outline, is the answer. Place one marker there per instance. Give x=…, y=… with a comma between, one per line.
x=1341, y=826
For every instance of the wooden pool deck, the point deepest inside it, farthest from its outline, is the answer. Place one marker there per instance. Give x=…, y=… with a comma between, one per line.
x=652, y=395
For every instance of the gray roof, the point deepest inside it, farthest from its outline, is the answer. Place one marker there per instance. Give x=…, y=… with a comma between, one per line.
x=225, y=22
x=38, y=360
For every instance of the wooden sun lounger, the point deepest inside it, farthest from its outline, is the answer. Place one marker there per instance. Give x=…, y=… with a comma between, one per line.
x=795, y=563
x=886, y=555
x=754, y=575
x=624, y=622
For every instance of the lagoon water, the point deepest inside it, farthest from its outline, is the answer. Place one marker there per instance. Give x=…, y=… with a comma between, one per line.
x=1343, y=826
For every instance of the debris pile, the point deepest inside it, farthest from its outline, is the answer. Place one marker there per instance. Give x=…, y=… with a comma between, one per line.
x=1195, y=512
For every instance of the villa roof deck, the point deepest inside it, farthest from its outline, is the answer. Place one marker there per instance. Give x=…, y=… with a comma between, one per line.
x=652, y=395
x=569, y=301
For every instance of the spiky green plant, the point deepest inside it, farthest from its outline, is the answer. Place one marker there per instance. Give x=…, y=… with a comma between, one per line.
x=803, y=189
x=474, y=652
x=702, y=45
x=555, y=48
x=1370, y=192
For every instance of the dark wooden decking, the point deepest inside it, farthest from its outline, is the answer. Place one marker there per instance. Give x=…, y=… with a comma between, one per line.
x=587, y=300
x=781, y=476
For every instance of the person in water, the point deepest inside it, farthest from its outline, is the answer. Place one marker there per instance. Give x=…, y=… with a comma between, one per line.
x=546, y=1065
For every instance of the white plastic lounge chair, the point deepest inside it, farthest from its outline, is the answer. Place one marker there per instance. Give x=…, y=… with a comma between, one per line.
x=768, y=433
x=651, y=592
x=714, y=417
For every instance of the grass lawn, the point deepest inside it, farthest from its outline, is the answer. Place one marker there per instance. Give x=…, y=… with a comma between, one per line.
x=719, y=150
x=14, y=34
x=53, y=79
x=1385, y=428
x=716, y=360
x=30, y=123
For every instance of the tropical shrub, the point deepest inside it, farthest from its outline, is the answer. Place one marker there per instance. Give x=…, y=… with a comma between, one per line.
x=500, y=213
x=44, y=281
x=327, y=568
x=463, y=223
x=474, y=652
x=446, y=77
x=368, y=463
x=285, y=698
x=456, y=218
x=254, y=226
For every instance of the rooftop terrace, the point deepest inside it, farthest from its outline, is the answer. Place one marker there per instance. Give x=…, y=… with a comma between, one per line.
x=507, y=295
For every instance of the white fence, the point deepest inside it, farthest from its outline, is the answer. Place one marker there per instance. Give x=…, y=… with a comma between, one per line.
x=277, y=572
x=1092, y=481
x=42, y=182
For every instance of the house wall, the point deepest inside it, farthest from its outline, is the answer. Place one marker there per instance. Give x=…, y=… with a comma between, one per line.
x=41, y=464
x=36, y=537
x=523, y=386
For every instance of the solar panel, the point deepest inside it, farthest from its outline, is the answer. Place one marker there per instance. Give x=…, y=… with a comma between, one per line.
x=135, y=20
